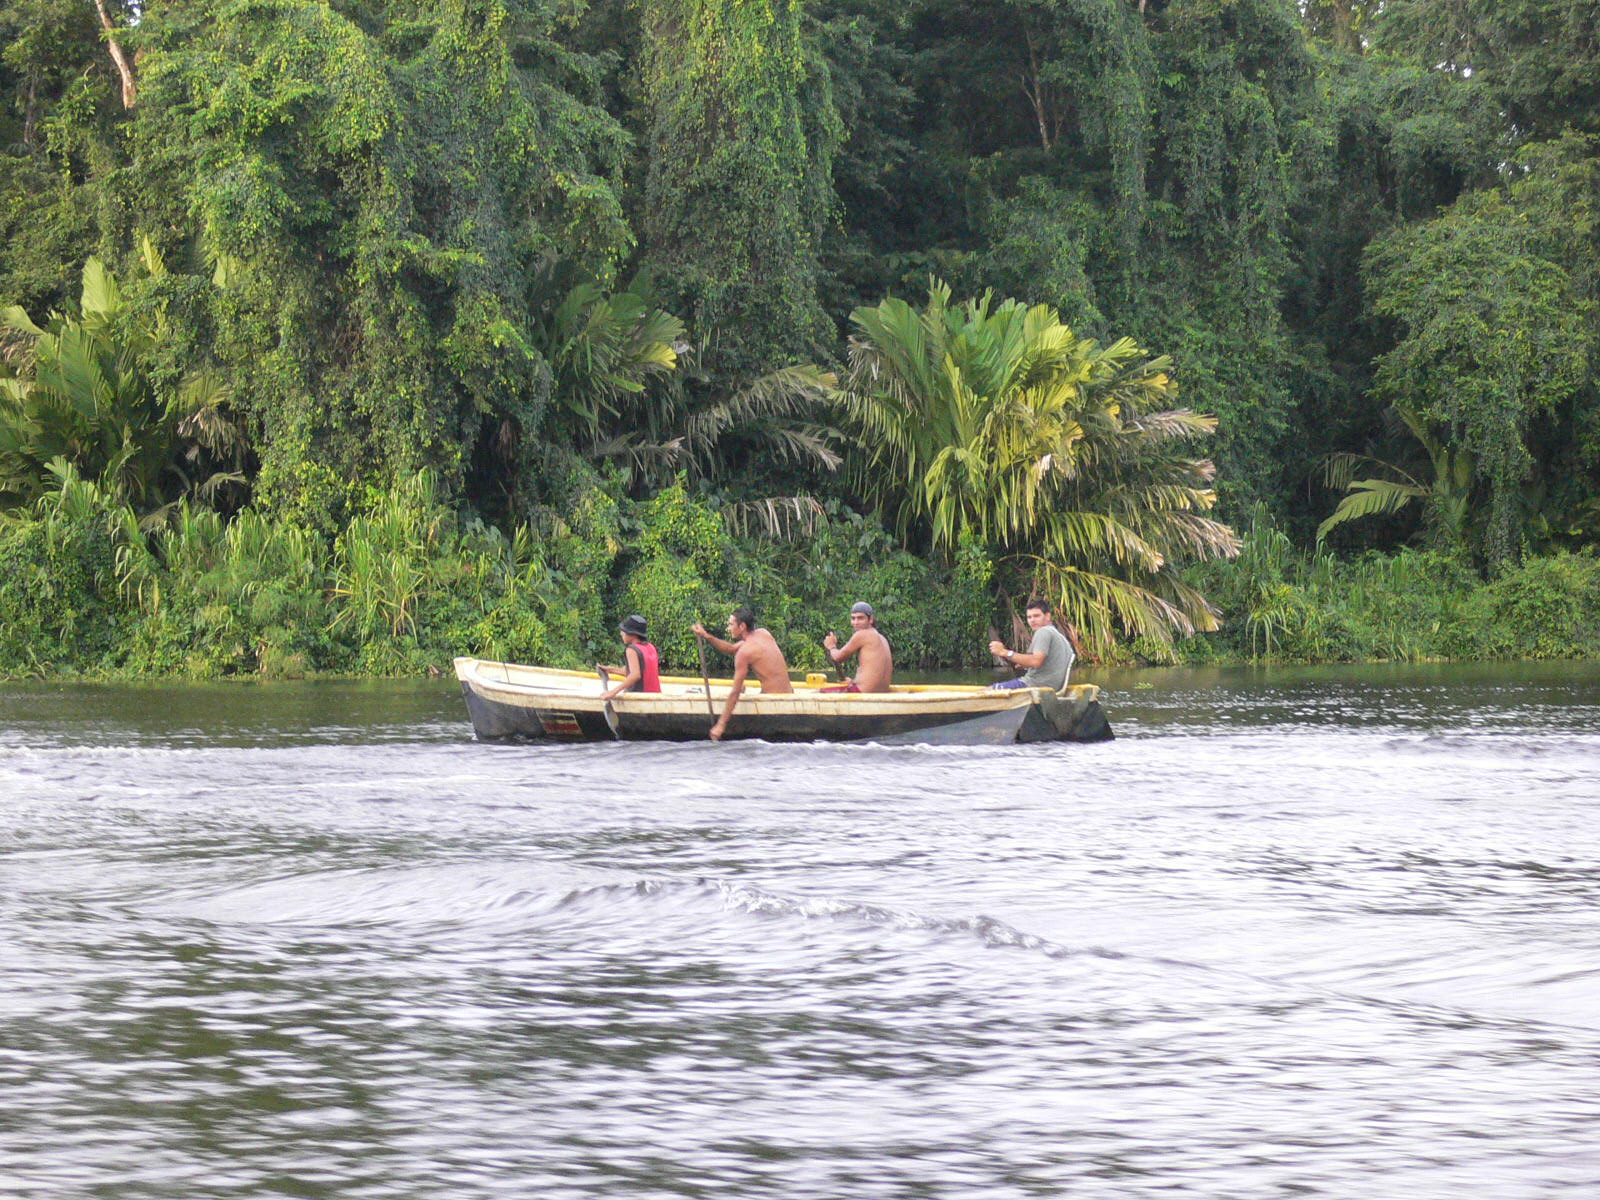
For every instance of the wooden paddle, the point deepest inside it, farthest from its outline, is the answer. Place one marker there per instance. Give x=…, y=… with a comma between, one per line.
x=610, y=713
x=705, y=677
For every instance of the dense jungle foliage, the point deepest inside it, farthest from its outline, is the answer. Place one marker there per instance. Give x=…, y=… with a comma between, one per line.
x=347, y=335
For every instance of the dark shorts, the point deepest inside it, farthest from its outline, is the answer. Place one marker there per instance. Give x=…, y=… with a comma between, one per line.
x=1008, y=685
x=843, y=687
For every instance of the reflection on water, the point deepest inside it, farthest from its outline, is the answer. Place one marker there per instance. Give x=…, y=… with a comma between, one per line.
x=1324, y=933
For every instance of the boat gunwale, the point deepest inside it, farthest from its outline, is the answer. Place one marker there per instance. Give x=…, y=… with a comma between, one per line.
x=481, y=674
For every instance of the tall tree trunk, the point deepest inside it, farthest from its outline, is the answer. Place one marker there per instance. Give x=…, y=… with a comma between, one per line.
x=130, y=90
x=1344, y=26
x=1033, y=89
x=30, y=112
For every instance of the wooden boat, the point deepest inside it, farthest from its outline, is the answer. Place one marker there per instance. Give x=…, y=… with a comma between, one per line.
x=510, y=702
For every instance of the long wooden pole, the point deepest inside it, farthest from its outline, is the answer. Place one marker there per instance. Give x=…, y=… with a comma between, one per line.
x=705, y=678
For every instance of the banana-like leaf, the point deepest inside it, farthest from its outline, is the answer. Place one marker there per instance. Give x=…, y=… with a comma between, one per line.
x=101, y=300
x=1370, y=497
x=13, y=317
x=87, y=396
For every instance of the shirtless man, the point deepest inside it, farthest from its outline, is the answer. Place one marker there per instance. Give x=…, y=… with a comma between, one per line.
x=754, y=650
x=877, y=664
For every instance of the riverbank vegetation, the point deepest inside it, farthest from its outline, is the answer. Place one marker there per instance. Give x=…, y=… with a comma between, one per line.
x=342, y=337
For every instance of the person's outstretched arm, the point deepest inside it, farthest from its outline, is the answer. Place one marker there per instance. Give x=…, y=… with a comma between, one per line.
x=741, y=668
x=705, y=635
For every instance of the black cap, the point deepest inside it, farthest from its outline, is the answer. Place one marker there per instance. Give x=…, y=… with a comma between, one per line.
x=635, y=624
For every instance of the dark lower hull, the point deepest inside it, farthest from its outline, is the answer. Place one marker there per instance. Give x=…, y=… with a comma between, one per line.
x=1065, y=719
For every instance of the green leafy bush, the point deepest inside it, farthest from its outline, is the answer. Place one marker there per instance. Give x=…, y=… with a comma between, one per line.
x=1280, y=605
x=59, y=608
x=212, y=598
x=410, y=583
x=679, y=574
x=415, y=585
x=1546, y=608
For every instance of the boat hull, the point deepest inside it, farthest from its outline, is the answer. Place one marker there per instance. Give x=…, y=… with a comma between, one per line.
x=496, y=719
x=507, y=702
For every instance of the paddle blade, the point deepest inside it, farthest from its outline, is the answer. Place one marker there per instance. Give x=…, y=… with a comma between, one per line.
x=610, y=713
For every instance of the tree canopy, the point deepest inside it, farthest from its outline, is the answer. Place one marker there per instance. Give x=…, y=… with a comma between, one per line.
x=548, y=251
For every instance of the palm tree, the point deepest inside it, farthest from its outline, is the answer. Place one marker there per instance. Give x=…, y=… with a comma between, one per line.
x=1445, y=501
x=603, y=350
x=995, y=422
x=78, y=389
x=627, y=388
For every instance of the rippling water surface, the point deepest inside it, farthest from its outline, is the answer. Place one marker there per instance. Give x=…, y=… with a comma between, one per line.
x=1320, y=933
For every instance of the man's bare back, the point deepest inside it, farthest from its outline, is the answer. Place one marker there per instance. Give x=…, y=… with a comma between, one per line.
x=762, y=658
x=755, y=652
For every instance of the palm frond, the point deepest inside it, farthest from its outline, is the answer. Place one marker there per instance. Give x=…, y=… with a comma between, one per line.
x=784, y=392
x=1091, y=537
x=779, y=518
x=16, y=320
x=1187, y=535
x=1369, y=497
x=1339, y=470
x=642, y=454
x=1102, y=605
x=804, y=446
x=1173, y=424
x=1202, y=615
x=210, y=490
x=765, y=411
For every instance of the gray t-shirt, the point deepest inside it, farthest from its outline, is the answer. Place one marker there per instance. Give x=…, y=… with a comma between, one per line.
x=1058, y=656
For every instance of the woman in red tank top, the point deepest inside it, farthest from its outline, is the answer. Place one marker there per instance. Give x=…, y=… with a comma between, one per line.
x=643, y=672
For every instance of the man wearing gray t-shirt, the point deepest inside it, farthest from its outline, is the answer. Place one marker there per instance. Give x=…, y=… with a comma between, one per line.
x=1048, y=657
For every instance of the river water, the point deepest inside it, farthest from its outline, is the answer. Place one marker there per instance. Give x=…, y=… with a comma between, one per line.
x=1327, y=933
